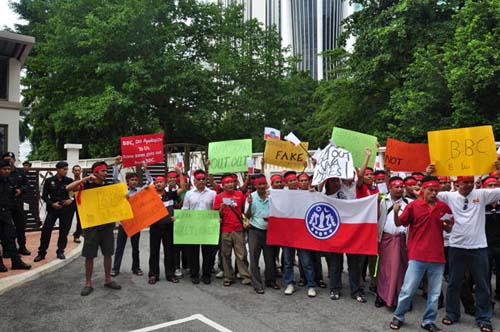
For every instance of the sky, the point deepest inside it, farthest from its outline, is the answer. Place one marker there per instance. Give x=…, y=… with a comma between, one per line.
x=7, y=16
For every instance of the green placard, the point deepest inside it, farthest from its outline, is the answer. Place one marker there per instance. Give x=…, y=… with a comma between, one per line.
x=355, y=143
x=229, y=156
x=196, y=227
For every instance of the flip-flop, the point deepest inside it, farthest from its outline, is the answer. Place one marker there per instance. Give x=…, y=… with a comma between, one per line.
x=86, y=291
x=113, y=285
x=447, y=321
x=152, y=280
x=395, y=324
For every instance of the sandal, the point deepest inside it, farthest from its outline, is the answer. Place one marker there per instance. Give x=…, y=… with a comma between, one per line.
x=153, y=280
x=431, y=327
x=114, y=273
x=321, y=284
x=447, y=321
x=301, y=283
x=173, y=280
x=485, y=328
x=138, y=272
x=395, y=324
x=227, y=283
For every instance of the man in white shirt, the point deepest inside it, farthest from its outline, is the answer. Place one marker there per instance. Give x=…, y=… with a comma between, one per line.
x=468, y=248
x=200, y=198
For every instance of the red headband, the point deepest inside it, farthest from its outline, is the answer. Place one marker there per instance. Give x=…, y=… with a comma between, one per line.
x=160, y=178
x=495, y=174
x=99, y=168
x=200, y=176
x=395, y=183
x=443, y=178
x=368, y=171
x=380, y=176
x=418, y=177
x=290, y=177
x=303, y=175
x=261, y=180
x=171, y=174
x=431, y=184
x=276, y=177
x=489, y=181
x=465, y=178
x=410, y=182
x=227, y=179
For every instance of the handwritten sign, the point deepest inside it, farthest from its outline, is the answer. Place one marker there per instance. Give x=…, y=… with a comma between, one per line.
x=147, y=208
x=355, y=143
x=401, y=156
x=285, y=154
x=464, y=151
x=333, y=162
x=104, y=205
x=143, y=148
x=196, y=227
x=229, y=156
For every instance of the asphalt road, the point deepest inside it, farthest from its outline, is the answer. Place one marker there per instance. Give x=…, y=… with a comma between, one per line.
x=53, y=303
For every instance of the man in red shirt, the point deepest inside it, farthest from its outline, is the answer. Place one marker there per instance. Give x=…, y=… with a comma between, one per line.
x=230, y=204
x=426, y=218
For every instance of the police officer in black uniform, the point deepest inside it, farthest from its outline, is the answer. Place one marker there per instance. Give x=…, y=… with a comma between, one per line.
x=7, y=230
x=19, y=177
x=59, y=206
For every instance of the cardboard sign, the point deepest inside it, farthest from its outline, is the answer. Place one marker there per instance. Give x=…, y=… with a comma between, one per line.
x=229, y=156
x=196, y=227
x=108, y=204
x=355, y=143
x=143, y=148
x=285, y=154
x=333, y=162
x=464, y=151
x=147, y=208
x=408, y=157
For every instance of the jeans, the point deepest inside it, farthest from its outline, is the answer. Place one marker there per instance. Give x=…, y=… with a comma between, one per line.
x=414, y=274
x=121, y=241
x=476, y=261
x=305, y=257
x=336, y=262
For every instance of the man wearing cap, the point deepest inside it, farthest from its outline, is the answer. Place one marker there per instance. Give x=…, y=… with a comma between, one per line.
x=230, y=204
x=426, y=218
x=257, y=211
x=7, y=229
x=393, y=259
x=132, y=180
x=19, y=177
x=98, y=236
x=200, y=198
x=59, y=206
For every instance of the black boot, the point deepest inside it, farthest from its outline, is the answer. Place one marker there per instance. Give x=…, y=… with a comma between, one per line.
x=18, y=264
x=24, y=251
x=3, y=268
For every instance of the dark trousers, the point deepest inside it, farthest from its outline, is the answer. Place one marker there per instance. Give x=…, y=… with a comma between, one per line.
x=19, y=218
x=161, y=233
x=476, y=262
x=65, y=216
x=353, y=265
x=78, y=230
x=256, y=245
x=181, y=256
x=121, y=241
x=8, y=235
x=208, y=253
x=494, y=259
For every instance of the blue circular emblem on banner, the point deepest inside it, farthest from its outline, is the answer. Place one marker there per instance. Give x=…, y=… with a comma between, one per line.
x=322, y=220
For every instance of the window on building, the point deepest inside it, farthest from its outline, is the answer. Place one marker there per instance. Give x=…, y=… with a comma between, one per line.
x=4, y=68
x=4, y=143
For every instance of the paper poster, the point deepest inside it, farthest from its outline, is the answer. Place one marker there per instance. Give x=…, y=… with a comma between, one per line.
x=407, y=157
x=147, y=208
x=104, y=205
x=355, y=143
x=333, y=162
x=143, y=148
x=462, y=152
x=284, y=154
x=229, y=156
x=196, y=227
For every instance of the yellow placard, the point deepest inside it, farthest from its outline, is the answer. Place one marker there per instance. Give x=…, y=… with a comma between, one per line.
x=285, y=154
x=464, y=151
x=104, y=205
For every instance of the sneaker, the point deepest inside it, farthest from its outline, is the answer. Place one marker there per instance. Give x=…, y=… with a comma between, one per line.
x=334, y=295
x=289, y=289
x=360, y=298
x=311, y=292
x=178, y=273
x=219, y=275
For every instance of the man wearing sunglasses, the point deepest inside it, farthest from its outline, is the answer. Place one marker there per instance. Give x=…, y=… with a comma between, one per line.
x=469, y=248
x=200, y=198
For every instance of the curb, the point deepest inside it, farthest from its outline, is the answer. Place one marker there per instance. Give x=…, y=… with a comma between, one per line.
x=12, y=282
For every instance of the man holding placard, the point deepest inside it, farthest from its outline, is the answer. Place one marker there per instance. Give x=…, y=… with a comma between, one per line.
x=200, y=198
x=98, y=236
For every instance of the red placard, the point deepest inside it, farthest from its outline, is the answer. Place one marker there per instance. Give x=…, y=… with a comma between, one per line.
x=406, y=157
x=142, y=148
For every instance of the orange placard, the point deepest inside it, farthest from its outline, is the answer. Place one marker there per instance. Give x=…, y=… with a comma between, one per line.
x=406, y=157
x=148, y=209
